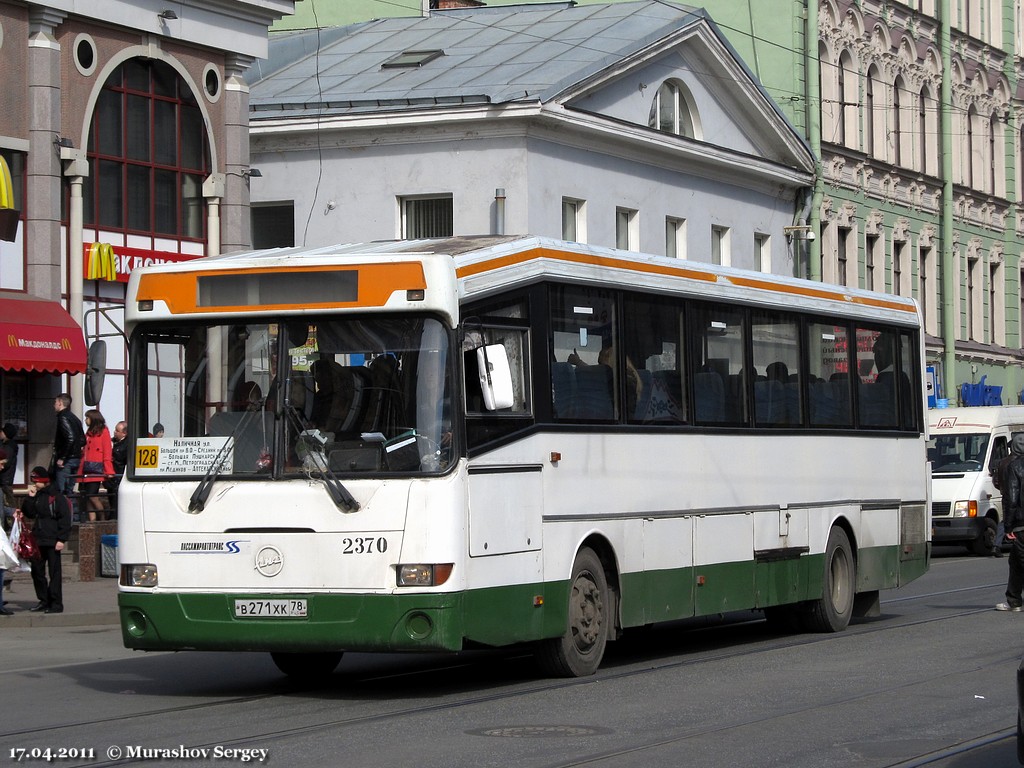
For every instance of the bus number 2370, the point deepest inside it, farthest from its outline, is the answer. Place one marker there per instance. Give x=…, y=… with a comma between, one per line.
x=364, y=545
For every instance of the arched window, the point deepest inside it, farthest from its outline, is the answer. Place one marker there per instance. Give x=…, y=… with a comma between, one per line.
x=148, y=154
x=929, y=140
x=897, y=121
x=673, y=111
x=850, y=101
x=869, y=114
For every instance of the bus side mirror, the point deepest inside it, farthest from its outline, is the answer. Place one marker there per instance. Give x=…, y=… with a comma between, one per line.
x=495, y=377
x=95, y=369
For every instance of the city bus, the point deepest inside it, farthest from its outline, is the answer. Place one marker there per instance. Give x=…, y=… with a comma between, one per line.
x=479, y=442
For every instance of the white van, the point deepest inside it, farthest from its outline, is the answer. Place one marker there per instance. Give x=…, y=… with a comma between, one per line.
x=963, y=444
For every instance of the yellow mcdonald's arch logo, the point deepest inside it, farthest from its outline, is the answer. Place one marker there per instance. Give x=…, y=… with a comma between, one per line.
x=65, y=343
x=101, y=262
x=6, y=186
x=12, y=340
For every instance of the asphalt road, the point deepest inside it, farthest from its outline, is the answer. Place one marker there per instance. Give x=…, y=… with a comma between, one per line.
x=930, y=682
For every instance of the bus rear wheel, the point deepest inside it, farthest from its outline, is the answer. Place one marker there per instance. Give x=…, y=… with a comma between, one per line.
x=307, y=666
x=579, y=651
x=832, y=612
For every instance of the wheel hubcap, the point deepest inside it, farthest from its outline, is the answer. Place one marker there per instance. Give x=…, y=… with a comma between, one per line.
x=587, y=612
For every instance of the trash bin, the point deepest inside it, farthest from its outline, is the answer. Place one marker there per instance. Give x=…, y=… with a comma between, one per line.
x=108, y=555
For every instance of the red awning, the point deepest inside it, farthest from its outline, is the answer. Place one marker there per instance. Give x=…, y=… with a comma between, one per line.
x=38, y=335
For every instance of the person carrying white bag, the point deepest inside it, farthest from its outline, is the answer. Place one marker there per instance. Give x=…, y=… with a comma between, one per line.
x=8, y=559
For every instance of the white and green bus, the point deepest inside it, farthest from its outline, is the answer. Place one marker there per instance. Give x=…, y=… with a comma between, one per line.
x=476, y=442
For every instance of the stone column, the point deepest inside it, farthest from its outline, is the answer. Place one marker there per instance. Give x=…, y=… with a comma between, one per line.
x=236, y=231
x=43, y=167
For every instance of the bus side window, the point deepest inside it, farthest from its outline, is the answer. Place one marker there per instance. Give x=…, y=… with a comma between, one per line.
x=717, y=342
x=585, y=335
x=653, y=344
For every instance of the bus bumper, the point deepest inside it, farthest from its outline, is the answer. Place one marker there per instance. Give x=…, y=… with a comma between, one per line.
x=336, y=622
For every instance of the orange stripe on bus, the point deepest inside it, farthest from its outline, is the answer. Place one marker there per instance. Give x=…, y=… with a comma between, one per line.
x=664, y=269
x=377, y=282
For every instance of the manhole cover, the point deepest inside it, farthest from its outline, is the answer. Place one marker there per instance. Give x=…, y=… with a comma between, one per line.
x=537, y=731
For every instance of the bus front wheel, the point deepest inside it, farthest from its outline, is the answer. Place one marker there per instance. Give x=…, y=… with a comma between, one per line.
x=307, y=666
x=832, y=612
x=579, y=651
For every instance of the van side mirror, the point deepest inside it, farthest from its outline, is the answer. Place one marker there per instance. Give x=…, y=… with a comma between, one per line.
x=495, y=377
x=95, y=370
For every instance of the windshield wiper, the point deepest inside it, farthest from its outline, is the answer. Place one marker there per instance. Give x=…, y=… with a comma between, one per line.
x=339, y=494
x=197, y=501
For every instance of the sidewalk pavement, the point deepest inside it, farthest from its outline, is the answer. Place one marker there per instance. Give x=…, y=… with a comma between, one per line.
x=86, y=603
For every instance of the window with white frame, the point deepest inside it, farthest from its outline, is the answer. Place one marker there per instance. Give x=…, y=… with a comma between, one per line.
x=427, y=216
x=926, y=292
x=574, y=220
x=720, y=246
x=849, y=107
x=844, y=244
x=996, y=304
x=675, y=237
x=928, y=127
x=762, y=252
x=975, y=328
x=674, y=111
x=900, y=268
x=873, y=263
x=627, y=229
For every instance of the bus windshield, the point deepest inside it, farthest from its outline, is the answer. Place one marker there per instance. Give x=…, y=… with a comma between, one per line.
x=316, y=395
x=958, y=453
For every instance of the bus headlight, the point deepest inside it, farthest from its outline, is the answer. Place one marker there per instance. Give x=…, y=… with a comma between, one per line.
x=965, y=509
x=143, y=575
x=424, y=575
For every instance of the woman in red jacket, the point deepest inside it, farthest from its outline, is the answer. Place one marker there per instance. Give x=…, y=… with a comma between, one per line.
x=97, y=463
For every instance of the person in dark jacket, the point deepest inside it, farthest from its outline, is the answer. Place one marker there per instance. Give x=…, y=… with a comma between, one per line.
x=119, y=457
x=7, y=434
x=68, y=443
x=50, y=512
x=1013, y=514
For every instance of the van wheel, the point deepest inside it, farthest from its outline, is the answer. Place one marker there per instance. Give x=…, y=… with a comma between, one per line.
x=579, y=651
x=986, y=540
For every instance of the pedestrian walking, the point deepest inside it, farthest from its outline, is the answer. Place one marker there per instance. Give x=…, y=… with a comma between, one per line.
x=1013, y=513
x=119, y=458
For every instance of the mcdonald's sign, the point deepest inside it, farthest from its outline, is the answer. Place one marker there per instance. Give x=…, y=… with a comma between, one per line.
x=38, y=335
x=9, y=215
x=100, y=262
x=103, y=261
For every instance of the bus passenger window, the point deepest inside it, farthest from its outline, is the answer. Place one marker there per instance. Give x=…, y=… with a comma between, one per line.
x=585, y=371
x=879, y=382
x=829, y=382
x=653, y=333
x=717, y=346
x=775, y=339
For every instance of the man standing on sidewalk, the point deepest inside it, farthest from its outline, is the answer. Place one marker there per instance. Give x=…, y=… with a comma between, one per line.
x=51, y=513
x=68, y=443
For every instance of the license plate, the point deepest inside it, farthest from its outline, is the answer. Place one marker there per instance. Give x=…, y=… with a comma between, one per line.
x=261, y=609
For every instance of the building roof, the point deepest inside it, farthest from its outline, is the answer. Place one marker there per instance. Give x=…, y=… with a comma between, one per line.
x=501, y=55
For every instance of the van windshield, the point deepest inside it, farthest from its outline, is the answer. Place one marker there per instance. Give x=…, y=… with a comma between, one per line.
x=958, y=453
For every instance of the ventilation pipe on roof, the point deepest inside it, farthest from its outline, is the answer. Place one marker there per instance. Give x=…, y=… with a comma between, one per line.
x=499, y=211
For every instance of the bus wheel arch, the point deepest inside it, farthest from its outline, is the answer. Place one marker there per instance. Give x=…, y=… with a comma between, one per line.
x=590, y=621
x=833, y=610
